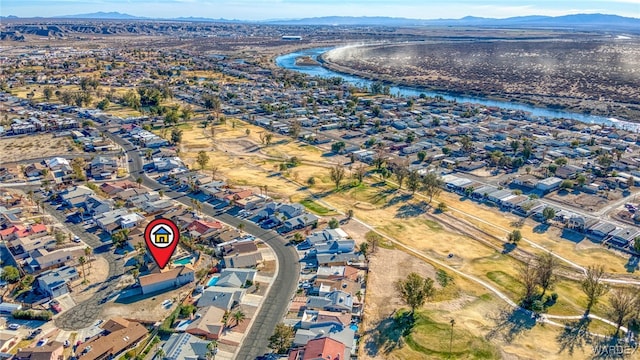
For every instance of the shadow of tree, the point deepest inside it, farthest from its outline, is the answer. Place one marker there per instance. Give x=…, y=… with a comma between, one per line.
x=575, y=335
x=412, y=210
x=613, y=347
x=541, y=228
x=388, y=334
x=508, y=247
x=398, y=199
x=510, y=323
x=632, y=264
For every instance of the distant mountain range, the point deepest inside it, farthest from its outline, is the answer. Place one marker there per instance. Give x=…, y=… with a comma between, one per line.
x=102, y=15
x=593, y=21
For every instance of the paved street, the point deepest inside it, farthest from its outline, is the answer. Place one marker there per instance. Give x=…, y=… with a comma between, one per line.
x=85, y=313
x=275, y=305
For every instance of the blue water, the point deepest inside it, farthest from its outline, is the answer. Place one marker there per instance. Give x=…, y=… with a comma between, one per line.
x=213, y=281
x=184, y=261
x=353, y=327
x=288, y=61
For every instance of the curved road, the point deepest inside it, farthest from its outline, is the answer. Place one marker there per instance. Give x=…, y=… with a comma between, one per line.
x=276, y=302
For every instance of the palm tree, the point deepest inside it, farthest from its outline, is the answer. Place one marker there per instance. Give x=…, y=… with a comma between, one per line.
x=160, y=354
x=139, y=181
x=83, y=261
x=88, y=252
x=212, y=349
x=239, y=317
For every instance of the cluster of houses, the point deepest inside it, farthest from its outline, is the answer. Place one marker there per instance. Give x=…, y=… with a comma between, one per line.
x=329, y=305
x=514, y=201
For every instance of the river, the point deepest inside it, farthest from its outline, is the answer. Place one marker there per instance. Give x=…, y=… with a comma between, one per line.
x=288, y=61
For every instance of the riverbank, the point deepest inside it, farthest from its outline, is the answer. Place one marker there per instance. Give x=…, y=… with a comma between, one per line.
x=620, y=111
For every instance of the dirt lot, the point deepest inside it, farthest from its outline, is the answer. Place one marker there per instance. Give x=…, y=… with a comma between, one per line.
x=145, y=308
x=97, y=271
x=584, y=201
x=35, y=146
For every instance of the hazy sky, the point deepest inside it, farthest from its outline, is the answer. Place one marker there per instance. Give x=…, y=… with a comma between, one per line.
x=272, y=9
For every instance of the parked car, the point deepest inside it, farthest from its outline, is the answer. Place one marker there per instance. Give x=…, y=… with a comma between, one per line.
x=42, y=342
x=13, y=327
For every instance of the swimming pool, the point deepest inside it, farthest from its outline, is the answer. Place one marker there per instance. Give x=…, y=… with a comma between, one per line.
x=353, y=327
x=184, y=261
x=213, y=281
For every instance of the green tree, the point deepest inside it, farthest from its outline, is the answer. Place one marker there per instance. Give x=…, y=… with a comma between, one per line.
x=514, y=237
x=548, y=213
x=636, y=244
x=432, y=185
x=47, y=92
x=338, y=146
x=282, y=338
x=413, y=181
x=566, y=184
x=364, y=249
x=334, y=223
x=212, y=349
x=176, y=136
x=401, y=172
x=103, y=104
x=268, y=138
x=415, y=290
x=10, y=274
x=421, y=156
x=203, y=159
x=593, y=285
x=239, y=317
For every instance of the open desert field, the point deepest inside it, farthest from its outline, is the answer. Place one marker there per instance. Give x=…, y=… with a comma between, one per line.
x=597, y=75
x=35, y=146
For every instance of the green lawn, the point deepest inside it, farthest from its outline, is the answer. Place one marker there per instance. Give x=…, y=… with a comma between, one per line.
x=315, y=207
x=429, y=339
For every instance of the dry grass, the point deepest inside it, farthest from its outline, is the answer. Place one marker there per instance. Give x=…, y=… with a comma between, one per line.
x=35, y=146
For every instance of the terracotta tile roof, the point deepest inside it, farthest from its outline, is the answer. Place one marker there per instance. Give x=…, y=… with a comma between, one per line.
x=323, y=348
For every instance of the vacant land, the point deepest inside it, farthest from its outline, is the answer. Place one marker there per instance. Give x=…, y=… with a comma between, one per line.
x=35, y=146
x=587, y=75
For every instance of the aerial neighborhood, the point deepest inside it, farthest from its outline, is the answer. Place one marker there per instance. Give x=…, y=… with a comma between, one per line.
x=318, y=218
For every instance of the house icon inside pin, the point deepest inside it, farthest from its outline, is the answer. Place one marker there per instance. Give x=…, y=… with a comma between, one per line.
x=161, y=236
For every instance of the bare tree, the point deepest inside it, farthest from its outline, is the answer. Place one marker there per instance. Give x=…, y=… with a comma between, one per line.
x=546, y=266
x=337, y=174
x=593, y=286
x=623, y=303
x=529, y=280
x=401, y=171
x=359, y=172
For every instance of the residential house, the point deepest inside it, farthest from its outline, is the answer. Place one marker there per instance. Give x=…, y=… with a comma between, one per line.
x=121, y=335
x=624, y=237
x=241, y=255
x=221, y=297
x=50, y=351
x=55, y=283
x=208, y=323
x=42, y=259
x=340, y=259
x=324, y=348
x=549, y=184
x=168, y=278
x=340, y=333
x=236, y=278
x=335, y=247
x=199, y=228
x=300, y=222
x=338, y=301
x=184, y=346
